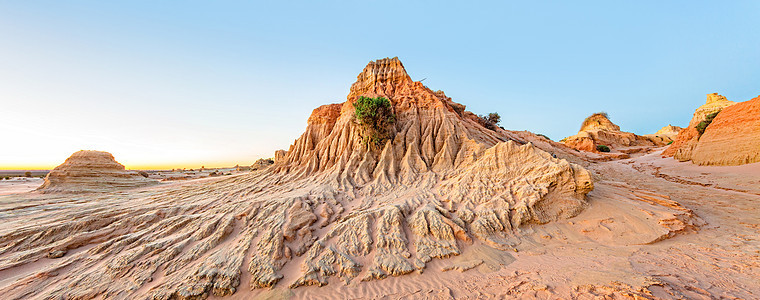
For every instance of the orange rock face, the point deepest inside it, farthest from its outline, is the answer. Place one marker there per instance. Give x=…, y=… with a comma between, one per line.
x=686, y=140
x=733, y=137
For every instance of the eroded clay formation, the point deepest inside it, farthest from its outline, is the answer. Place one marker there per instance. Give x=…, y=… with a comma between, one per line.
x=92, y=171
x=334, y=207
x=598, y=130
x=687, y=139
x=666, y=135
x=733, y=137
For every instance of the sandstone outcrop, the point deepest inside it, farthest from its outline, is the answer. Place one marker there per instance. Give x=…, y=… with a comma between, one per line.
x=337, y=209
x=597, y=130
x=733, y=137
x=684, y=144
x=92, y=171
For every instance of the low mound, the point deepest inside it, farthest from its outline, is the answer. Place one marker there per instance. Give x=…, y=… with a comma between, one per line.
x=91, y=171
x=329, y=208
x=599, y=121
x=598, y=130
x=669, y=130
x=686, y=140
x=665, y=135
x=733, y=137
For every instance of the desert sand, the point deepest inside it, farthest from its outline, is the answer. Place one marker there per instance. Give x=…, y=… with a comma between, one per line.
x=442, y=208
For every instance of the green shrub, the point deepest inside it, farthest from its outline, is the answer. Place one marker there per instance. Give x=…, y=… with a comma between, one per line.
x=543, y=136
x=670, y=142
x=702, y=126
x=375, y=117
x=490, y=121
x=602, y=148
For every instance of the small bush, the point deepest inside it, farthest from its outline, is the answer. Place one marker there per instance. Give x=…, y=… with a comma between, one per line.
x=602, y=148
x=490, y=121
x=702, y=126
x=670, y=142
x=543, y=136
x=375, y=117
x=28, y=174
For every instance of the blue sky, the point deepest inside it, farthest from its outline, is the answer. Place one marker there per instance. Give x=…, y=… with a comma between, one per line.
x=170, y=83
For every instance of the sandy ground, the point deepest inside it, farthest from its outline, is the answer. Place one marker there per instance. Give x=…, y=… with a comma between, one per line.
x=17, y=185
x=742, y=178
x=629, y=242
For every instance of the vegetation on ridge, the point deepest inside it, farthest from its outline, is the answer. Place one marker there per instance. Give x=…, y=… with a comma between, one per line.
x=375, y=117
x=702, y=126
x=490, y=121
x=602, y=148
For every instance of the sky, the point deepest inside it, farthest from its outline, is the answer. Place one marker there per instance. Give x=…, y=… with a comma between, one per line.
x=164, y=84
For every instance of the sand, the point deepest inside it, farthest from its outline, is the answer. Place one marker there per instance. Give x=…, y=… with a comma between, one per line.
x=17, y=185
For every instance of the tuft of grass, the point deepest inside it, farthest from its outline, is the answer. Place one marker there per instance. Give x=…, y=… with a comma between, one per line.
x=375, y=117
x=603, y=148
x=543, y=136
x=702, y=126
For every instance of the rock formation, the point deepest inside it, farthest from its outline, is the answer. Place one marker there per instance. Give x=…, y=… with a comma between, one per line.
x=733, y=137
x=329, y=205
x=597, y=130
x=279, y=155
x=665, y=135
x=91, y=171
x=687, y=139
x=261, y=164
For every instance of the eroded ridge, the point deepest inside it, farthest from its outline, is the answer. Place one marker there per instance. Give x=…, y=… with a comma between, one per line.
x=328, y=204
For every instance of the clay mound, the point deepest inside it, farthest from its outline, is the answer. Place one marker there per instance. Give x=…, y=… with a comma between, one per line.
x=91, y=171
x=684, y=144
x=665, y=135
x=262, y=163
x=597, y=129
x=733, y=137
x=669, y=130
x=329, y=208
x=598, y=121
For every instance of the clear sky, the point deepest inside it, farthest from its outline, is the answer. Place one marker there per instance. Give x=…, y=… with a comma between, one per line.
x=217, y=83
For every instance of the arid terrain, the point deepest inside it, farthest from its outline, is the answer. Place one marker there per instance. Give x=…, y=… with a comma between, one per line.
x=437, y=204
